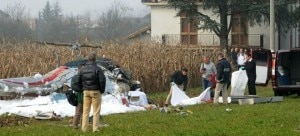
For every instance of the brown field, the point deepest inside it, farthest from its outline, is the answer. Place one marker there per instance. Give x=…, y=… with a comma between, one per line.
x=149, y=63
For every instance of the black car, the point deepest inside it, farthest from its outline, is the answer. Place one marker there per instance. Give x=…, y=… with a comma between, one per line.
x=286, y=72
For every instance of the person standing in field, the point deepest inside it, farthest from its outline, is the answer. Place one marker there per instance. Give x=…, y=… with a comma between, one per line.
x=223, y=78
x=250, y=67
x=93, y=84
x=77, y=87
x=241, y=59
x=180, y=79
x=234, y=54
x=207, y=69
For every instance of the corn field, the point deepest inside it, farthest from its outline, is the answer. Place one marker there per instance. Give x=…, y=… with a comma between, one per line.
x=150, y=63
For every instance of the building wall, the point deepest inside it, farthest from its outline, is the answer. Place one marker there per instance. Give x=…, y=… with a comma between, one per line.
x=290, y=39
x=264, y=30
x=163, y=21
x=208, y=37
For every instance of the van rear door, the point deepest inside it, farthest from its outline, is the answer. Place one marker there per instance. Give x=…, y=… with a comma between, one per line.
x=287, y=72
x=263, y=58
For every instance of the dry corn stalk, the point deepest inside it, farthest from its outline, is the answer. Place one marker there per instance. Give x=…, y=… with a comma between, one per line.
x=150, y=63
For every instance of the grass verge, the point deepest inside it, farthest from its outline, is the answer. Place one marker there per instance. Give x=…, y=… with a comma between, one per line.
x=281, y=118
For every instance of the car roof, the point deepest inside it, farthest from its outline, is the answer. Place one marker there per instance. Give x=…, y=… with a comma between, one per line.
x=289, y=50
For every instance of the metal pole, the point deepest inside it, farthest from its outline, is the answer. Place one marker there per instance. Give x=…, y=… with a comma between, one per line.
x=272, y=25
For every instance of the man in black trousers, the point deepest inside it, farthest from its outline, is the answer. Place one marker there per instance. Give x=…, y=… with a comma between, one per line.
x=250, y=67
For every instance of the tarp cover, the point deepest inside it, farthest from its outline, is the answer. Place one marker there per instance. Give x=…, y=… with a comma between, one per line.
x=238, y=83
x=57, y=102
x=180, y=98
x=202, y=98
x=177, y=95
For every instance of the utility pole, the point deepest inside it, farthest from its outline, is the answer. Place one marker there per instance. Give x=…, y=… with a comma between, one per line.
x=272, y=25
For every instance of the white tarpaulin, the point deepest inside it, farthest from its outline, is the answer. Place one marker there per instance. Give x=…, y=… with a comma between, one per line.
x=180, y=98
x=177, y=95
x=238, y=83
x=58, y=103
x=203, y=97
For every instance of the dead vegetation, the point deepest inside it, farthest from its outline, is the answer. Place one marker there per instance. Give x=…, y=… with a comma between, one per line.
x=7, y=120
x=150, y=63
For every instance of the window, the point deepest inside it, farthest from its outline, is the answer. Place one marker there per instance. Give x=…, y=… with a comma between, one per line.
x=188, y=31
x=239, y=30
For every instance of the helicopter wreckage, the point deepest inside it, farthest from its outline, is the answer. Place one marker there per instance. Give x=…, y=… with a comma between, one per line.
x=59, y=80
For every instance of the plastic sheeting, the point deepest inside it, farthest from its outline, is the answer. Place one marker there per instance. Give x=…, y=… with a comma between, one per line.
x=57, y=102
x=202, y=98
x=179, y=98
x=177, y=95
x=238, y=83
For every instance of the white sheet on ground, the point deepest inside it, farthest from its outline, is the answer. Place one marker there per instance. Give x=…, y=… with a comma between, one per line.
x=58, y=103
x=142, y=98
x=239, y=81
x=177, y=95
x=202, y=98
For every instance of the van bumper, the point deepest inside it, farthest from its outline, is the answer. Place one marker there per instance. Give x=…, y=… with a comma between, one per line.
x=286, y=90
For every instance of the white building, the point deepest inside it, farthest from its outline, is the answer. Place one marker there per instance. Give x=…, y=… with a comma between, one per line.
x=166, y=27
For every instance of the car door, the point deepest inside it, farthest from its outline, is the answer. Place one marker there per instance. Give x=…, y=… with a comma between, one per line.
x=263, y=58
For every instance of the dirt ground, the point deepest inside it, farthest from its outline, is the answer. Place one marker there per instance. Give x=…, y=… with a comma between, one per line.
x=13, y=120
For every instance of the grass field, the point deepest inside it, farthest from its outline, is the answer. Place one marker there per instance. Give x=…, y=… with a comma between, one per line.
x=277, y=119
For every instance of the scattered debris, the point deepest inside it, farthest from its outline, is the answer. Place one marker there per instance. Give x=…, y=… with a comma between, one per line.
x=8, y=120
x=257, y=100
x=47, y=115
x=177, y=110
x=228, y=109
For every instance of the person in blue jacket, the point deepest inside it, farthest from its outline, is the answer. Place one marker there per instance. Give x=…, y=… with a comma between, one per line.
x=223, y=78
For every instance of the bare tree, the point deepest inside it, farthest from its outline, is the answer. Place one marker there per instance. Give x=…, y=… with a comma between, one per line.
x=85, y=26
x=110, y=22
x=16, y=11
x=15, y=26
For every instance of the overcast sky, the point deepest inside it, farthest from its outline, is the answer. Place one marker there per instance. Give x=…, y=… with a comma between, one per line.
x=77, y=7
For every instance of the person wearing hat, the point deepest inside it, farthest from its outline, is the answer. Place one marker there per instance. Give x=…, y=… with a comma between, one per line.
x=179, y=78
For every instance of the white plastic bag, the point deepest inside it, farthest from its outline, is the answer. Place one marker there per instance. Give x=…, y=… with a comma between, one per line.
x=238, y=83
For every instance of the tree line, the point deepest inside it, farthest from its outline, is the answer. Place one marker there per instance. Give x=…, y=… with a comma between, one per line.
x=52, y=25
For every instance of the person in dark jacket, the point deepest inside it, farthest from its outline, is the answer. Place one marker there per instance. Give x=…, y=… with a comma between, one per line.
x=234, y=53
x=76, y=86
x=179, y=78
x=250, y=67
x=93, y=84
x=223, y=79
